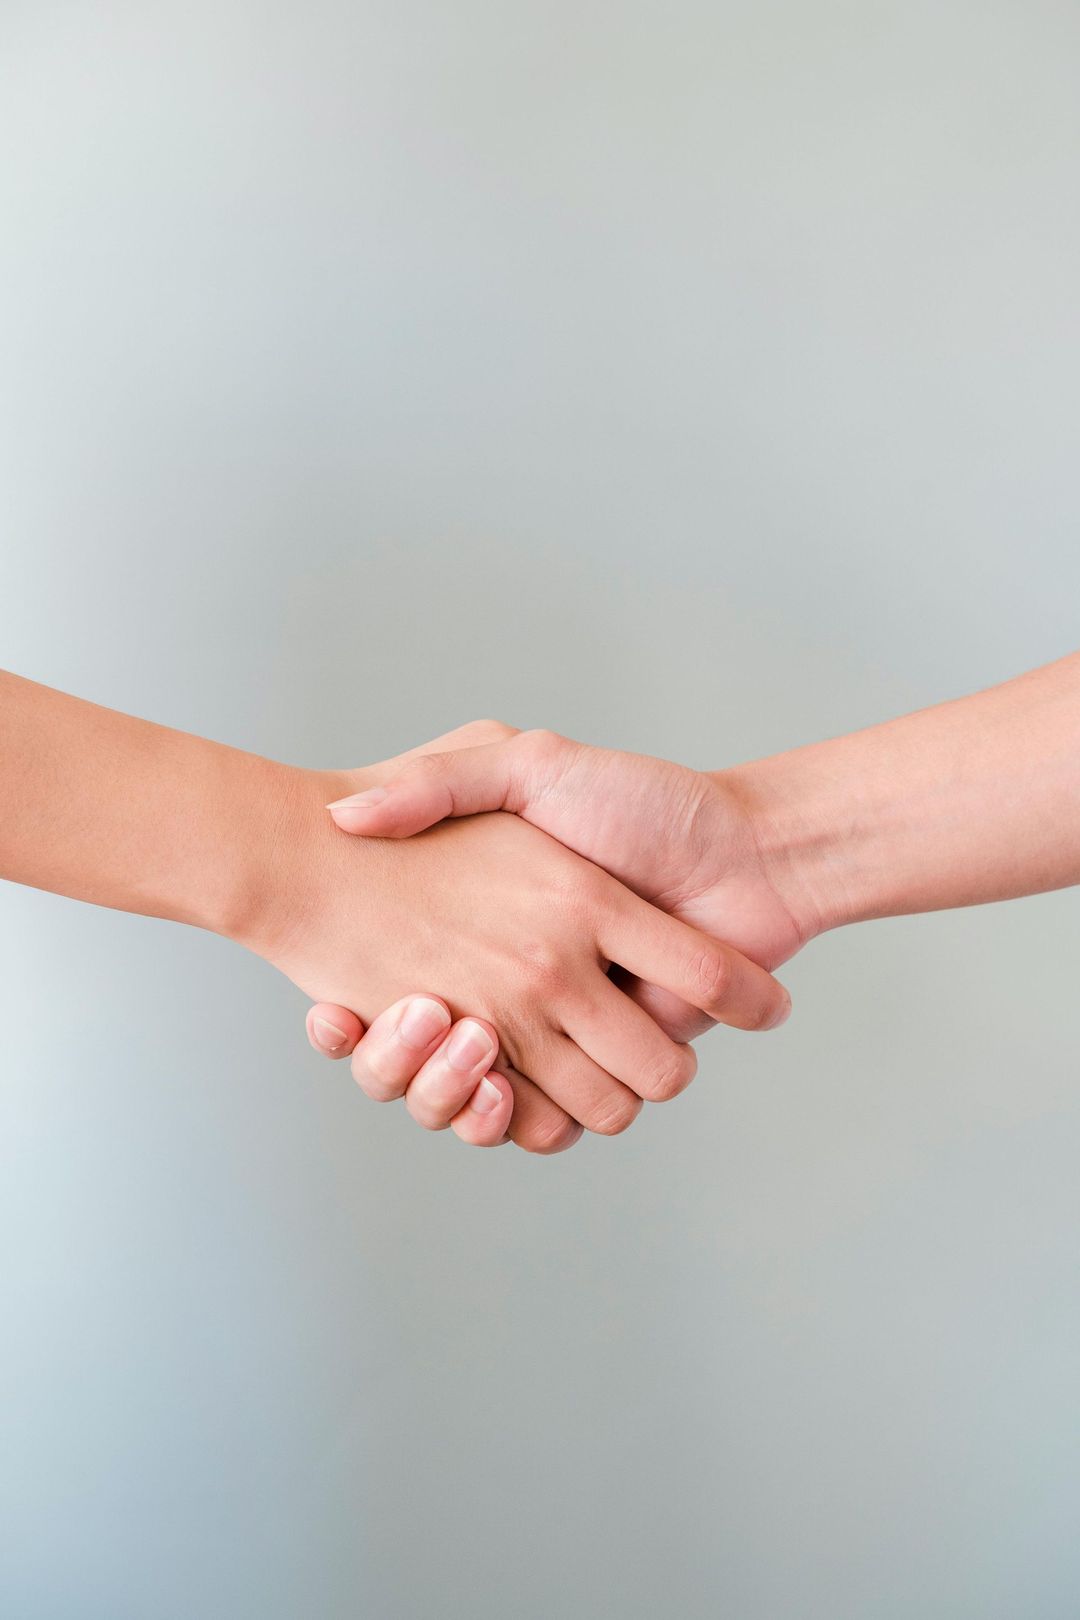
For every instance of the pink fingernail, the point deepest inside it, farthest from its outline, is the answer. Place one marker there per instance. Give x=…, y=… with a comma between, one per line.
x=486, y=1098
x=329, y=1037
x=422, y=1021
x=470, y=1045
x=360, y=801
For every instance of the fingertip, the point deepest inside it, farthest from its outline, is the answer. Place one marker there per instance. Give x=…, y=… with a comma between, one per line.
x=355, y=818
x=485, y=1119
x=419, y=1022
x=488, y=1096
x=332, y=1030
x=390, y=820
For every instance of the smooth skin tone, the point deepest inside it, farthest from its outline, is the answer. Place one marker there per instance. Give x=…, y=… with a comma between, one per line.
x=437, y=1076
x=501, y=921
x=974, y=800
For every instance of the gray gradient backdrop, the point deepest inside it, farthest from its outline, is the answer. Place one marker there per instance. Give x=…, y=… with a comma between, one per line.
x=696, y=378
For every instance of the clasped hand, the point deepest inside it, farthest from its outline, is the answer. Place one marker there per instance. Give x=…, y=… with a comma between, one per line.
x=531, y=930
x=566, y=964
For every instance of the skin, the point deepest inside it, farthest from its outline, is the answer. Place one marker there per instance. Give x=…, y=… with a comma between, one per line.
x=500, y=920
x=971, y=801
x=393, y=1059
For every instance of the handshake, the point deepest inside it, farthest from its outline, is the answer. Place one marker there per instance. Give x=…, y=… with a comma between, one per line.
x=527, y=932
x=580, y=934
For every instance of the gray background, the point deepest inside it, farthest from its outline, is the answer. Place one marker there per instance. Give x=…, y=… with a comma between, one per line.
x=695, y=378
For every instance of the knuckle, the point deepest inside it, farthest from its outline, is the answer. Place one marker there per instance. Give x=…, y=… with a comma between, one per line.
x=487, y=730
x=552, y=1134
x=612, y=1117
x=670, y=1076
x=436, y=1095
x=580, y=894
x=542, y=745
x=711, y=976
x=429, y=767
x=373, y=1080
x=426, y=1116
x=545, y=968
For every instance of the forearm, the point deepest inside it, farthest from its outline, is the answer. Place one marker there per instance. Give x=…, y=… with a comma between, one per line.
x=119, y=812
x=971, y=801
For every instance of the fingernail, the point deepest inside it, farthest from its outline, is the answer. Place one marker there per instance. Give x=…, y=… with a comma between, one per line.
x=486, y=1098
x=328, y=1035
x=470, y=1045
x=360, y=801
x=422, y=1021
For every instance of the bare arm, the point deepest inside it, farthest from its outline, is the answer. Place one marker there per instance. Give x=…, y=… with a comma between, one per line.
x=117, y=811
x=975, y=800
x=493, y=916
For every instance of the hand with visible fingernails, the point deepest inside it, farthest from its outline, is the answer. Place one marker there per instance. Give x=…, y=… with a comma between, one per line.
x=506, y=924
x=415, y=1050
x=511, y=933
x=684, y=839
x=580, y=912
x=602, y=1056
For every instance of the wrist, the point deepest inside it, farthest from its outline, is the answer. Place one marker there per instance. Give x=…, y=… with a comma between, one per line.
x=285, y=856
x=807, y=835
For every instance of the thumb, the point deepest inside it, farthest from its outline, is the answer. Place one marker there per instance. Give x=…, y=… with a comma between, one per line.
x=431, y=787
